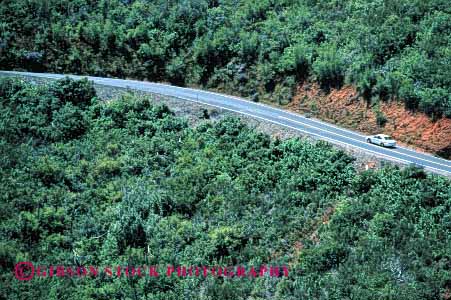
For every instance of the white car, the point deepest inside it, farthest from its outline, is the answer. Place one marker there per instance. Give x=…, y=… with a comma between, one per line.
x=381, y=140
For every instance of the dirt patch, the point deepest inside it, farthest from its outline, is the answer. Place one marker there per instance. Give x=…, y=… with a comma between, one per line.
x=344, y=107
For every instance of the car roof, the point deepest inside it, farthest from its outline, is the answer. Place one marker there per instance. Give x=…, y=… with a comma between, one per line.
x=383, y=135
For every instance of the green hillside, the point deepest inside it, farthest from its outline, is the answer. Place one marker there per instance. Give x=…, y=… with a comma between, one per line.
x=86, y=182
x=260, y=49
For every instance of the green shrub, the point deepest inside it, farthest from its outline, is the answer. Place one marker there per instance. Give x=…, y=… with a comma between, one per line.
x=381, y=119
x=329, y=67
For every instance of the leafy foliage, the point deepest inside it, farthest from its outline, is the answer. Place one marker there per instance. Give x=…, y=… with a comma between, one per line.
x=137, y=186
x=259, y=49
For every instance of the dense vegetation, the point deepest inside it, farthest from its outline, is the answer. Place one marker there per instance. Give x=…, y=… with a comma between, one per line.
x=126, y=182
x=258, y=48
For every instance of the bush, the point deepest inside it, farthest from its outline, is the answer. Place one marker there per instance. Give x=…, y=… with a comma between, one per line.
x=176, y=70
x=329, y=67
x=381, y=119
x=435, y=102
x=68, y=122
x=296, y=60
x=79, y=92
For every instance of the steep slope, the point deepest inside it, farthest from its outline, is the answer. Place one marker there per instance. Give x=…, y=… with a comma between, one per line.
x=345, y=107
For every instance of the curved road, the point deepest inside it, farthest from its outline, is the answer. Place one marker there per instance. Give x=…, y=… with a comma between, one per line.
x=297, y=122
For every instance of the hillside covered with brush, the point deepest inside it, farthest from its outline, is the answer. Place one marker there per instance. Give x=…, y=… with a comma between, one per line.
x=126, y=183
x=259, y=49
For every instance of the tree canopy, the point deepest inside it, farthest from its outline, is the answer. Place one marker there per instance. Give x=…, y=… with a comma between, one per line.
x=258, y=49
x=125, y=182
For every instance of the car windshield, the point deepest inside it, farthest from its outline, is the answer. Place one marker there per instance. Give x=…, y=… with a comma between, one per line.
x=388, y=138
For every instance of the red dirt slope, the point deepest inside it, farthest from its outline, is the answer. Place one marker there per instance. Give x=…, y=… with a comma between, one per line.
x=345, y=108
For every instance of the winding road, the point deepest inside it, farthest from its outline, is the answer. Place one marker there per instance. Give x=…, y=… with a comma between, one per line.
x=281, y=117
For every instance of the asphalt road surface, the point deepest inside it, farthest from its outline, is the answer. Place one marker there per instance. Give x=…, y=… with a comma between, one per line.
x=297, y=122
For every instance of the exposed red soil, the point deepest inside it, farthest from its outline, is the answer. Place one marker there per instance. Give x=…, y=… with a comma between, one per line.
x=344, y=107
